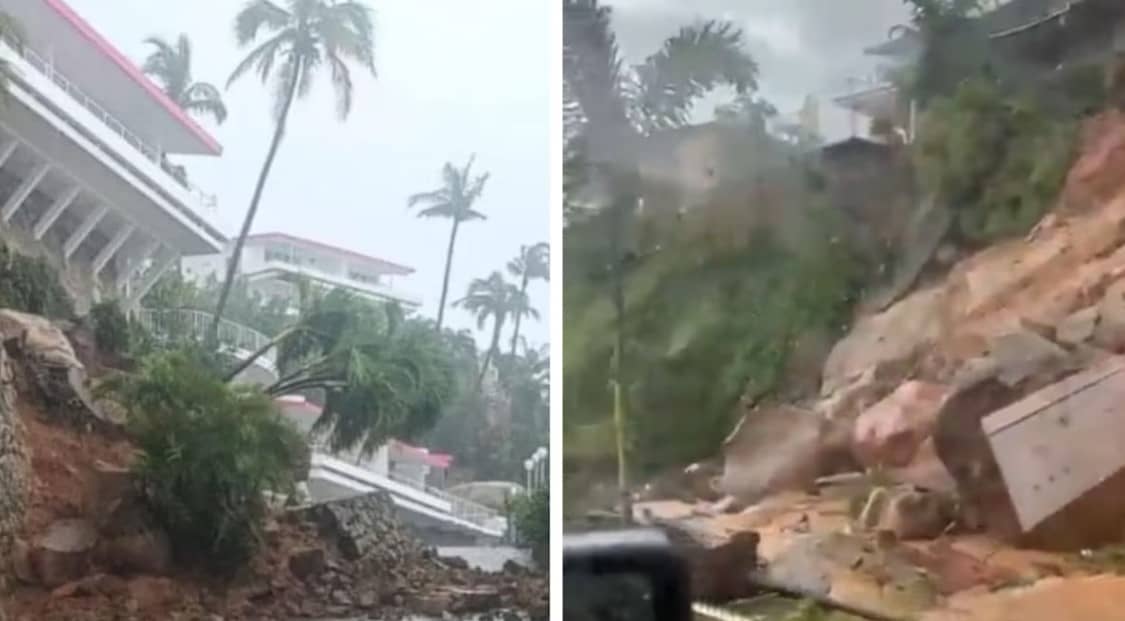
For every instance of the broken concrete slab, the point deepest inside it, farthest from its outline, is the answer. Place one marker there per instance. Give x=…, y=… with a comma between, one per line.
x=1061, y=460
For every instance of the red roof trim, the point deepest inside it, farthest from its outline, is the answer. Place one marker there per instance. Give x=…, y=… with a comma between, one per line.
x=393, y=267
x=105, y=47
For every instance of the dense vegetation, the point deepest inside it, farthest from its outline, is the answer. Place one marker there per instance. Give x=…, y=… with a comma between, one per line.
x=208, y=451
x=998, y=160
x=531, y=514
x=697, y=304
x=30, y=284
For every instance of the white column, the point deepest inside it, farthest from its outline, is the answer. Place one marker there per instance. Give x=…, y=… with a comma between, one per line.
x=135, y=264
x=48, y=220
x=163, y=261
x=16, y=200
x=83, y=231
x=113, y=246
x=7, y=150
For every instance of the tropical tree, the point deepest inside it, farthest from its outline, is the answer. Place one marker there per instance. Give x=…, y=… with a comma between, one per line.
x=381, y=374
x=531, y=264
x=453, y=201
x=170, y=65
x=299, y=41
x=954, y=45
x=494, y=298
x=609, y=107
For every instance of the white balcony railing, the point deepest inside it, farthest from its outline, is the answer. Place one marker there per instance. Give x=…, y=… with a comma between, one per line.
x=192, y=324
x=151, y=153
x=340, y=280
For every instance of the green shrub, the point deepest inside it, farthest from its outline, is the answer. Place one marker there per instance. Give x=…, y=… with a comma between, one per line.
x=111, y=328
x=208, y=452
x=31, y=285
x=997, y=160
x=531, y=514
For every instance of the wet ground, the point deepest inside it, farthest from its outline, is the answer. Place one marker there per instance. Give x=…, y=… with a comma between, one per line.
x=809, y=541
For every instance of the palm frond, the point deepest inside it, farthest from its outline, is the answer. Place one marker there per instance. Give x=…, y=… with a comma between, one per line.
x=205, y=98
x=690, y=64
x=257, y=15
x=434, y=196
x=592, y=62
x=348, y=30
x=263, y=56
x=342, y=82
x=443, y=210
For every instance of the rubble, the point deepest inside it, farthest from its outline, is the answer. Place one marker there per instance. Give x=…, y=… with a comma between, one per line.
x=982, y=412
x=84, y=547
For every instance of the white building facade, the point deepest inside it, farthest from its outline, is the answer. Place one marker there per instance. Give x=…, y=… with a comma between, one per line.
x=84, y=178
x=273, y=263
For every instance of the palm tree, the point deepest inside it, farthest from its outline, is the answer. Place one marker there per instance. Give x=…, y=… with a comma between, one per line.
x=490, y=297
x=170, y=65
x=453, y=201
x=299, y=41
x=383, y=375
x=531, y=264
x=609, y=108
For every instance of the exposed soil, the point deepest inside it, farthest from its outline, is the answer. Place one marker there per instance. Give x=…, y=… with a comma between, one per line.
x=421, y=583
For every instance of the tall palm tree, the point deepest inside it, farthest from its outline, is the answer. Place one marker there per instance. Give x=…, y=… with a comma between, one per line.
x=300, y=40
x=170, y=65
x=494, y=298
x=609, y=107
x=531, y=264
x=453, y=201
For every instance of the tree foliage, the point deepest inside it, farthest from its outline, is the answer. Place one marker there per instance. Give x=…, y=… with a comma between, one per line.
x=531, y=514
x=497, y=299
x=208, y=451
x=999, y=161
x=170, y=64
x=31, y=285
x=455, y=201
x=299, y=41
x=382, y=375
x=111, y=328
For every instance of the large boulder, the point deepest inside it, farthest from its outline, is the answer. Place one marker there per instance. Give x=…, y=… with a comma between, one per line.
x=777, y=449
x=63, y=553
x=892, y=338
x=53, y=368
x=890, y=433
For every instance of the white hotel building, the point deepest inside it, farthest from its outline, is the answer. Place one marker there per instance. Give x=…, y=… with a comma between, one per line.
x=273, y=263
x=83, y=138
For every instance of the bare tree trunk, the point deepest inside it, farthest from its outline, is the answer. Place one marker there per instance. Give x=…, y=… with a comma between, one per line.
x=620, y=407
x=491, y=353
x=448, y=268
x=519, y=316
x=232, y=263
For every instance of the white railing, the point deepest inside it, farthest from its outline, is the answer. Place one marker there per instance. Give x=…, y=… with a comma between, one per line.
x=424, y=495
x=460, y=507
x=336, y=279
x=150, y=152
x=189, y=323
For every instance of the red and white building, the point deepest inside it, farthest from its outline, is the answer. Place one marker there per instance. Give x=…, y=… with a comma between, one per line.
x=84, y=179
x=274, y=262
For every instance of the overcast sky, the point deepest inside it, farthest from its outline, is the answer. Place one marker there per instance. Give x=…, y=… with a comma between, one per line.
x=454, y=78
x=803, y=47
